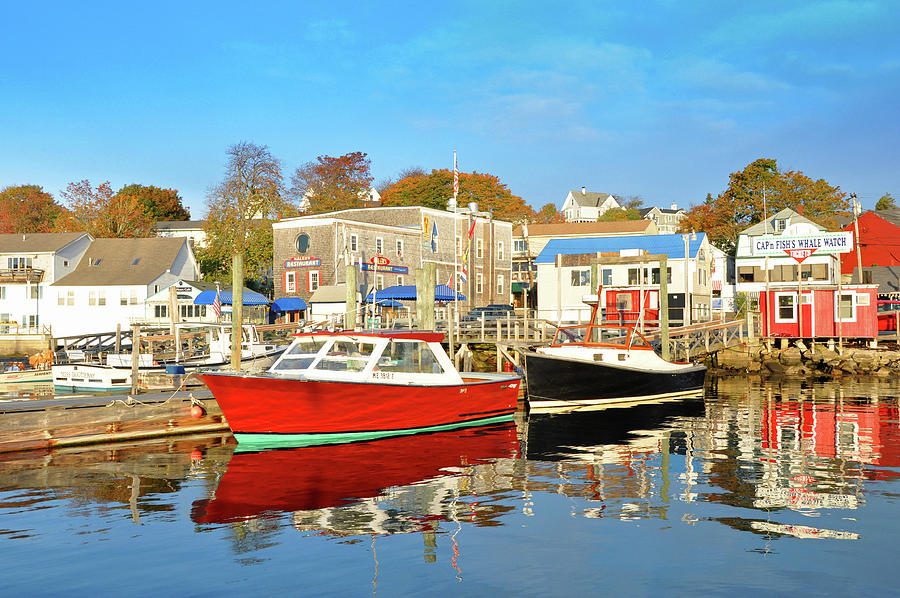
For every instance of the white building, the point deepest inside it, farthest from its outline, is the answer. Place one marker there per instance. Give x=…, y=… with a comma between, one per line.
x=668, y=221
x=187, y=229
x=29, y=264
x=112, y=282
x=587, y=206
x=562, y=285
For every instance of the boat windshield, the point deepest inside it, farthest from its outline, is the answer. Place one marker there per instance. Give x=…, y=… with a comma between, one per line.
x=608, y=335
x=409, y=356
x=346, y=355
x=300, y=354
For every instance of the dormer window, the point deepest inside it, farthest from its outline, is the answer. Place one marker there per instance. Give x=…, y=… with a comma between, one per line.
x=135, y=261
x=780, y=225
x=94, y=261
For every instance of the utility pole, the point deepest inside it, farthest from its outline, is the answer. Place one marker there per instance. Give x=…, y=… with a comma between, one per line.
x=856, y=211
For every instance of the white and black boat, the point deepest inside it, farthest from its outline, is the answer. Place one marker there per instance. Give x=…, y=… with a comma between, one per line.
x=595, y=364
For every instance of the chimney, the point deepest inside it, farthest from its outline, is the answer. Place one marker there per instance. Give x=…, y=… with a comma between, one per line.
x=674, y=206
x=583, y=189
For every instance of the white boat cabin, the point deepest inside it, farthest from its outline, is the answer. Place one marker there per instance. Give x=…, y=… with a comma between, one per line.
x=411, y=358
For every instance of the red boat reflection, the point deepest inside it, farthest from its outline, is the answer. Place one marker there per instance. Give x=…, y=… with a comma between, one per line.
x=319, y=477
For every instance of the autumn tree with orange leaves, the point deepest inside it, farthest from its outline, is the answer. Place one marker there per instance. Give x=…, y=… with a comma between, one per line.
x=157, y=203
x=761, y=190
x=104, y=213
x=433, y=190
x=332, y=183
x=28, y=209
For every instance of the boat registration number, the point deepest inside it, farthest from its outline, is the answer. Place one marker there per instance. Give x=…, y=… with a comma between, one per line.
x=383, y=375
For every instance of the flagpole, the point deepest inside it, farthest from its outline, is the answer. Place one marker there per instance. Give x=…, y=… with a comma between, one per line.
x=455, y=315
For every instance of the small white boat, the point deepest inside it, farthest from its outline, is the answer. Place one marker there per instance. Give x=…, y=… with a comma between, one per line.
x=114, y=372
x=24, y=376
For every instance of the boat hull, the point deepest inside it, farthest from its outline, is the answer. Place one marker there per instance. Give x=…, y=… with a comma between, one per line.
x=25, y=376
x=328, y=411
x=561, y=381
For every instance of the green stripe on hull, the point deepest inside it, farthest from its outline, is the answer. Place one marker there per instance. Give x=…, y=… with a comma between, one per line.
x=261, y=442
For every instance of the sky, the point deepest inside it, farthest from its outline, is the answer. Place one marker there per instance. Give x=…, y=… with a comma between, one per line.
x=657, y=99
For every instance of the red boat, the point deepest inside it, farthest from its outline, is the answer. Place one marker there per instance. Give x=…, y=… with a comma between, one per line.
x=358, y=385
x=321, y=477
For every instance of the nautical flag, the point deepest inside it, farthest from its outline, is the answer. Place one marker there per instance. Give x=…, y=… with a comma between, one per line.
x=434, y=236
x=464, y=275
x=455, y=178
x=217, y=305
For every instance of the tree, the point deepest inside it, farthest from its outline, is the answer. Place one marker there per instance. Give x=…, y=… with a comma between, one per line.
x=886, y=202
x=333, y=183
x=157, y=203
x=630, y=210
x=103, y=213
x=28, y=209
x=435, y=189
x=548, y=215
x=759, y=191
x=240, y=212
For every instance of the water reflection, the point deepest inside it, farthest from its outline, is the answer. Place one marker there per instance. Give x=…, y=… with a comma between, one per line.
x=751, y=466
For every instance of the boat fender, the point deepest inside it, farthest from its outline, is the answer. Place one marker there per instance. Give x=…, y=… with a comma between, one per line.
x=196, y=411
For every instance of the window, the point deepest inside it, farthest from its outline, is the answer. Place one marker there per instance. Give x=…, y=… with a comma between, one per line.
x=499, y=284
x=2, y=292
x=302, y=243
x=132, y=297
x=520, y=245
x=123, y=297
x=399, y=247
x=581, y=278
x=479, y=248
x=379, y=245
x=70, y=297
x=18, y=263
x=412, y=357
x=160, y=311
x=845, y=308
x=354, y=243
x=135, y=261
x=745, y=273
x=655, y=277
x=785, y=303
x=623, y=301
x=37, y=292
x=606, y=274
x=862, y=299
x=500, y=250
x=479, y=284
x=92, y=297
x=313, y=280
x=779, y=225
x=701, y=277
x=633, y=274
x=458, y=245
x=290, y=282
x=400, y=279
x=379, y=282
x=101, y=297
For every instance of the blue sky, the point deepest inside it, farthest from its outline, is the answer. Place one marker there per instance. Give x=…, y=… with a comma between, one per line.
x=660, y=99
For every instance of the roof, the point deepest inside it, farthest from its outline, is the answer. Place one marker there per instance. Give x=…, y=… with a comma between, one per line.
x=179, y=225
x=892, y=215
x=36, y=242
x=225, y=298
x=333, y=293
x=589, y=198
x=886, y=277
x=121, y=262
x=407, y=292
x=671, y=245
x=586, y=228
x=283, y=304
x=767, y=226
x=645, y=211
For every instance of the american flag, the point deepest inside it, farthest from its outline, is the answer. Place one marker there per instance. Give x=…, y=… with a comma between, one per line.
x=217, y=305
x=455, y=177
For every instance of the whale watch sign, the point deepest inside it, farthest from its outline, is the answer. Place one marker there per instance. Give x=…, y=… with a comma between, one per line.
x=801, y=247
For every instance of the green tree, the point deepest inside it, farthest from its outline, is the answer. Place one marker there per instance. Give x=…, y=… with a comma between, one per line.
x=435, y=189
x=103, y=213
x=630, y=210
x=886, y=202
x=761, y=190
x=332, y=183
x=28, y=209
x=157, y=203
x=240, y=212
x=548, y=214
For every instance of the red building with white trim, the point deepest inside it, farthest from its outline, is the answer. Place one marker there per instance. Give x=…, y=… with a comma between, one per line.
x=823, y=312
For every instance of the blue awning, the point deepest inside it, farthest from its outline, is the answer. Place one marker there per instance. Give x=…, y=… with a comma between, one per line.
x=283, y=304
x=250, y=298
x=388, y=303
x=407, y=292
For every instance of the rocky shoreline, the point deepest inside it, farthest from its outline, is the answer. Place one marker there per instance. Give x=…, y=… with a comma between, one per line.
x=813, y=359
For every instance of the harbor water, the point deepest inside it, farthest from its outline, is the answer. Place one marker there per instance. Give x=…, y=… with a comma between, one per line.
x=775, y=487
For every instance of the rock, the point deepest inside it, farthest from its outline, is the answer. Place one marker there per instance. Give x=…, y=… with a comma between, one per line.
x=754, y=366
x=793, y=370
x=736, y=360
x=773, y=366
x=791, y=356
x=884, y=373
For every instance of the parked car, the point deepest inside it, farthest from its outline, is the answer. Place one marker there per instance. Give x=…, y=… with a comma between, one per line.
x=489, y=313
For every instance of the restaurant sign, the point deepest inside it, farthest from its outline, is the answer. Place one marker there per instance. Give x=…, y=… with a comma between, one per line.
x=303, y=261
x=384, y=268
x=802, y=245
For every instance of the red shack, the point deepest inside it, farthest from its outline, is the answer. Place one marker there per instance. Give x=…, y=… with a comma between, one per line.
x=823, y=313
